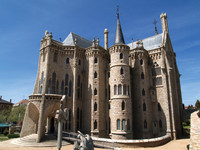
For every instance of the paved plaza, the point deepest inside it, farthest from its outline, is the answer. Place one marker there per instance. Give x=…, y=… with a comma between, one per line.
x=49, y=143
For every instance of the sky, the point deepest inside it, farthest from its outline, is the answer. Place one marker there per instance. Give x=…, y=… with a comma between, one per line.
x=23, y=24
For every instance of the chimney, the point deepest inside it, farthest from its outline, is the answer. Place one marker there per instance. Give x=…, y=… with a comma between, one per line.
x=163, y=18
x=10, y=100
x=0, y=97
x=106, y=39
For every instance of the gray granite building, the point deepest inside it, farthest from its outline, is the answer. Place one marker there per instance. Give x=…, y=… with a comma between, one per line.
x=127, y=91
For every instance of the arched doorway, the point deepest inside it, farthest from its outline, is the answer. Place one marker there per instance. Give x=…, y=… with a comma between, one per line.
x=52, y=128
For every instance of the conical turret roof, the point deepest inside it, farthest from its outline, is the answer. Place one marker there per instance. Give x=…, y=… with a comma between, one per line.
x=119, y=38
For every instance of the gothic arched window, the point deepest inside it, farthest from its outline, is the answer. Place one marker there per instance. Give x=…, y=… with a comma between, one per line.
x=144, y=107
x=141, y=62
x=49, y=86
x=79, y=81
x=66, y=79
x=57, y=87
x=124, y=124
x=42, y=77
x=118, y=124
x=66, y=91
x=95, y=124
x=119, y=89
x=95, y=60
x=124, y=89
x=67, y=61
x=70, y=88
x=115, y=89
x=142, y=75
x=62, y=87
x=95, y=91
x=143, y=92
x=145, y=124
x=123, y=105
x=128, y=90
x=95, y=106
x=95, y=74
x=121, y=71
x=108, y=91
x=121, y=56
x=54, y=83
x=40, y=90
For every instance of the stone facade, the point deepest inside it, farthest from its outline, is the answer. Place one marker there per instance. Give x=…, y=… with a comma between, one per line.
x=195, y=131
x=123, y=92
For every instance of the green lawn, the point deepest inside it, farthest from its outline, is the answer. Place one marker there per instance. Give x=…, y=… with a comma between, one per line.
x=3, y=139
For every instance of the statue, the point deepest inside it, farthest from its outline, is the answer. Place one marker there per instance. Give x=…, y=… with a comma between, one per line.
x=85, y=144
x=61, y=115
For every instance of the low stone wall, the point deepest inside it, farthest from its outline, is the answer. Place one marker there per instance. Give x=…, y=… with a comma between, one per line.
x=195, y=131
x=132, y=143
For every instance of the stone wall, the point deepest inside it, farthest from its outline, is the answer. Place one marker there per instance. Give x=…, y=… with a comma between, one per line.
x=195, y=131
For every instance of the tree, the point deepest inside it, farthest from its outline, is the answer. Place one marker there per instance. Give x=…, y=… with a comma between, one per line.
x=4, y=114
x=17, y=114
x=197, y=104
x=190, y=106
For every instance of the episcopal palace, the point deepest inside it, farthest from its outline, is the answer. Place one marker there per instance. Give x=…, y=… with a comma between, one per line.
x=126, y=91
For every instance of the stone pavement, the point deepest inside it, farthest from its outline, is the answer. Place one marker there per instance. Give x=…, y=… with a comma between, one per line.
x=50, y=143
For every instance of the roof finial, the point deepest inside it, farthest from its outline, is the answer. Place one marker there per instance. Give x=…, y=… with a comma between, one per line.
x=156, y=31
x=75, y=41
x=97, y=42
x=118, y=11
x=132, y=42
x=93, y=42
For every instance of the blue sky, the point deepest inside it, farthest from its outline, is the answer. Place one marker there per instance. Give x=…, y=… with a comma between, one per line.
x=23, y=24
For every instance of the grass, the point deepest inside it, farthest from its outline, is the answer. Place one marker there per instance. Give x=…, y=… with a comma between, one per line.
x=3, y=139
x=2, y=135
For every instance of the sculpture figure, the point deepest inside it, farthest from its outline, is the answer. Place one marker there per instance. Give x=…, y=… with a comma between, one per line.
x=86, y=142
x=61, y=115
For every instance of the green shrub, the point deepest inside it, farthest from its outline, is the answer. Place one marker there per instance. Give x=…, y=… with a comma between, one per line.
x=5, y=132
x=13, y=136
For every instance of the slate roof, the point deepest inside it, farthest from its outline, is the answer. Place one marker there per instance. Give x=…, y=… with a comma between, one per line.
x=5, y=102
x=119, y=38
x=81, y=42
x=150, y=43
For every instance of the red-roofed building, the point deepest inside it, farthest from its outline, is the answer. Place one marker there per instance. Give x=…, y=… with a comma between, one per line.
x=22, y=102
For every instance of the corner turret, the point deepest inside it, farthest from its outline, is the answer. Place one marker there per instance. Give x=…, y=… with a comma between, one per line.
x=163, y=18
